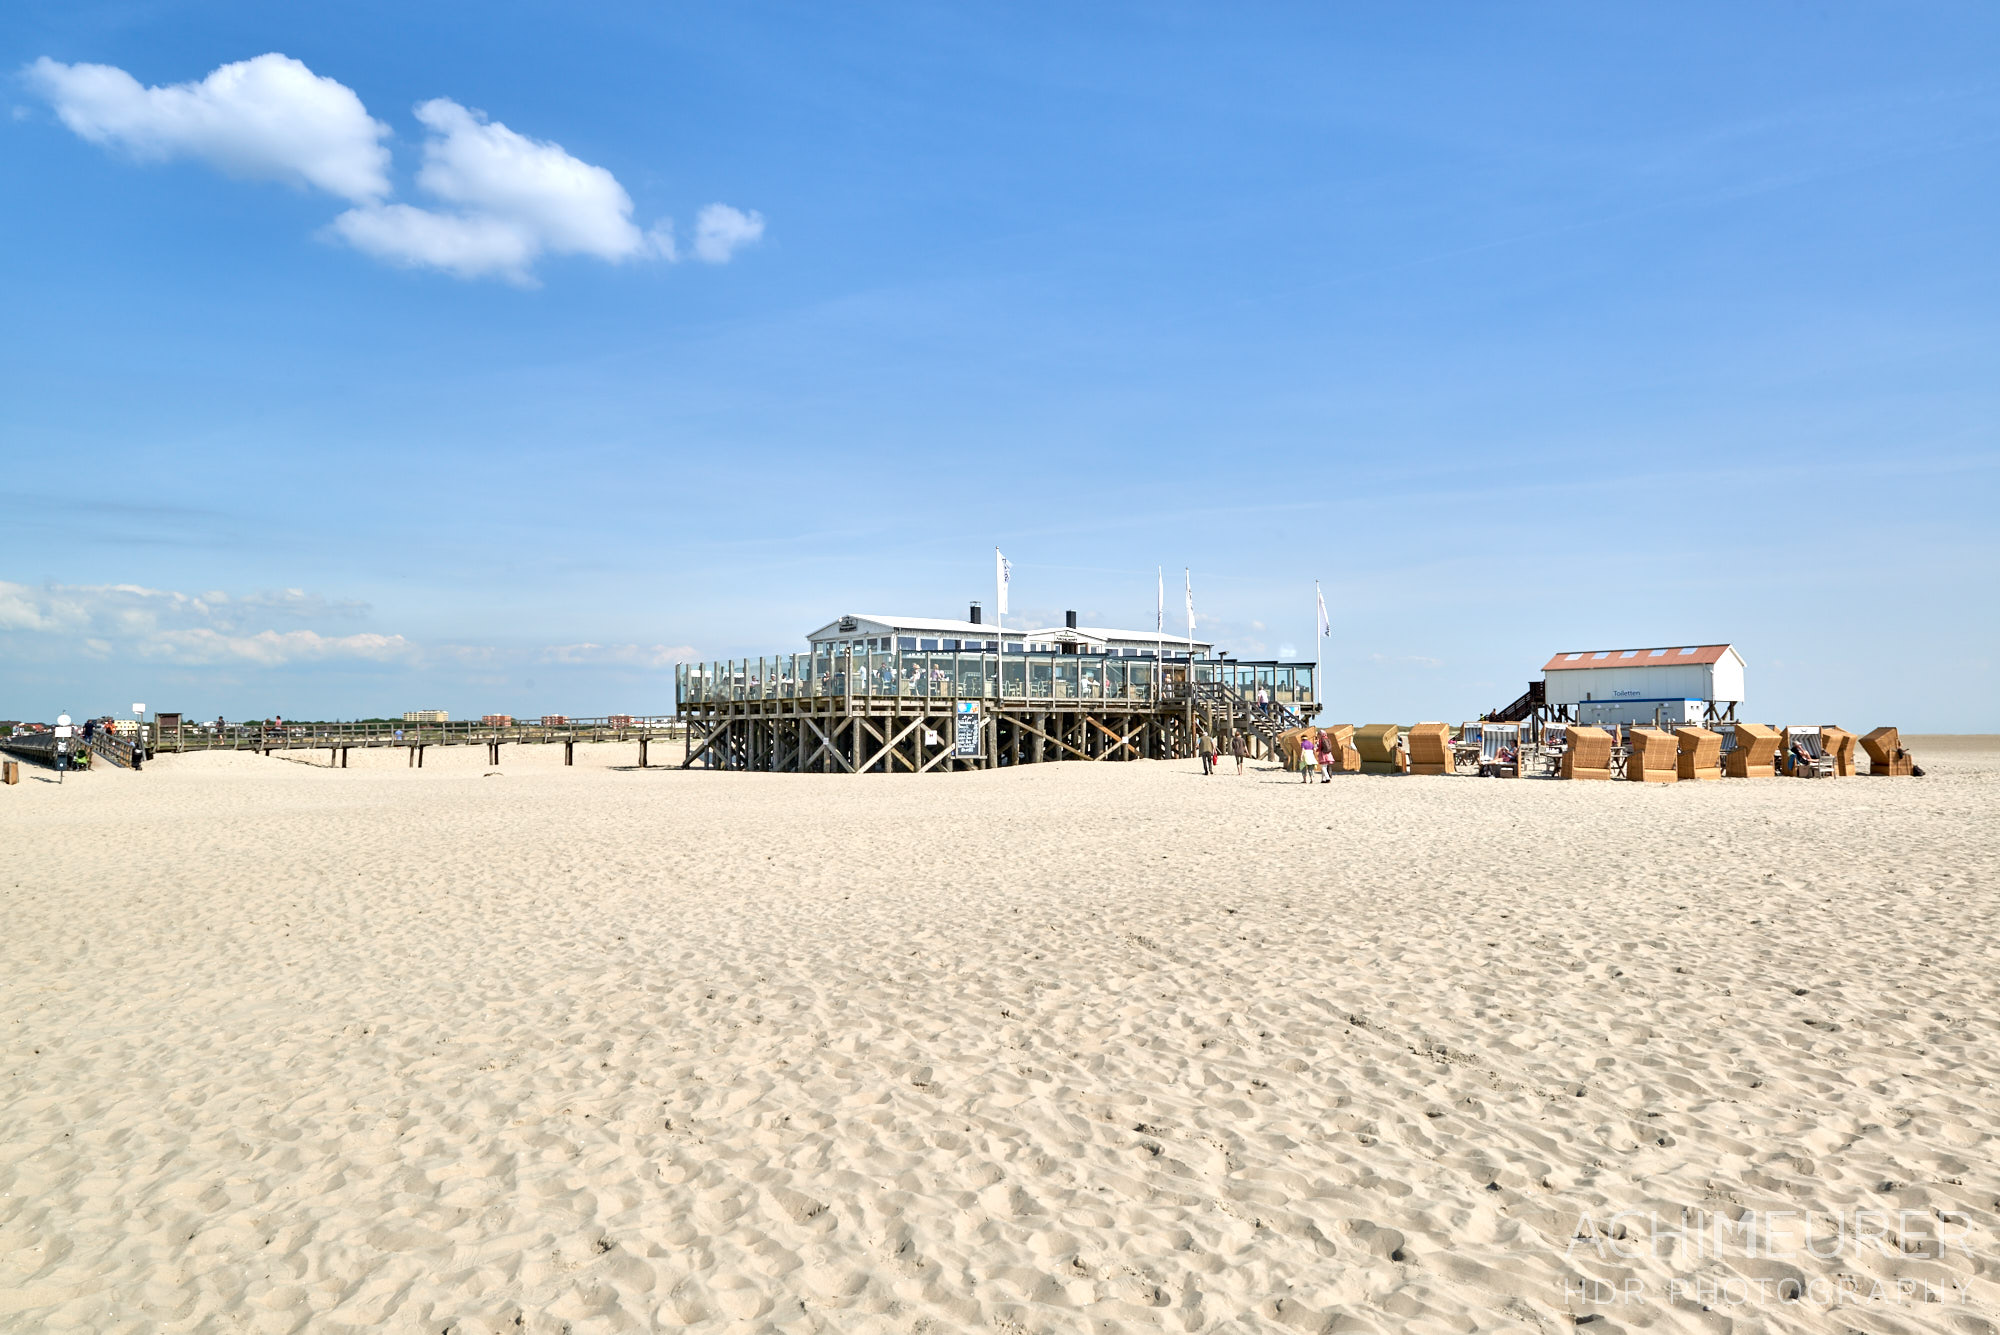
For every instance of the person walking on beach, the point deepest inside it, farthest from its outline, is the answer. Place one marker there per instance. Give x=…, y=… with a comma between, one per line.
x=1307, y=761
x=1206, y=745
x=1326, y=746
x=1240, y=749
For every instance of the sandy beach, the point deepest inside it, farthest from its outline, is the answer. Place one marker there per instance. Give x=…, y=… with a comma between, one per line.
x=1061, y=1048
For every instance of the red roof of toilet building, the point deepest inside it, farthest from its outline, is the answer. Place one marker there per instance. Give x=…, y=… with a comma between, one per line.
x=1673, y=653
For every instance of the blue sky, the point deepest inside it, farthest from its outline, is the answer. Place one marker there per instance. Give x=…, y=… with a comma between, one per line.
x=1521, y=329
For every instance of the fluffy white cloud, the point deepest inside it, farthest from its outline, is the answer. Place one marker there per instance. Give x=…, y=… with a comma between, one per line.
x=503, y=200
x=269, y=117
x=467, y=246
x=485, y=167
x=720, y=231
x=510, y=199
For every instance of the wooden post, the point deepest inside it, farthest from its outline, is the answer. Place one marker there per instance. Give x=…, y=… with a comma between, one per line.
x=642, y=750
x=569, y=751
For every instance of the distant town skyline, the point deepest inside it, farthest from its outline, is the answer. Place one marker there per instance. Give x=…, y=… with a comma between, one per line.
x=376, y=359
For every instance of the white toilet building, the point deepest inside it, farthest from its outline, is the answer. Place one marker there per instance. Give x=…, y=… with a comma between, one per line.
x=1677, y=685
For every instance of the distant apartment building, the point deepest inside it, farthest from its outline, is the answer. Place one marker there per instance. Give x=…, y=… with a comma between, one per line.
x=426, y=716
x=497, y=720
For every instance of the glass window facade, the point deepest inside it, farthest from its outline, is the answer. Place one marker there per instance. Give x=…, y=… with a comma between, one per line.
x=940, y=674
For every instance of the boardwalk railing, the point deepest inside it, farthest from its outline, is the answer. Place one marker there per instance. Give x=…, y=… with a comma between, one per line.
x=468, y=732
x=898, y=674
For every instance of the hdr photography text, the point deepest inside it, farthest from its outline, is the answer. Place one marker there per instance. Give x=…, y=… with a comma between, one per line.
x=1739, y=1290
x=1825, y=1235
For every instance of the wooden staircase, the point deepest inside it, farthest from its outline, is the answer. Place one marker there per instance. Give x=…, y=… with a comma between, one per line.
x=1225, y=709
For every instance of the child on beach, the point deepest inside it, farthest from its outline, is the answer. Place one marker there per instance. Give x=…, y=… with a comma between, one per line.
x=1307, y=762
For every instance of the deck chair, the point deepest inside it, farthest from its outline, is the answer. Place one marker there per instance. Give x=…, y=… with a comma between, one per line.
x=1755, y=754
x=1340, y=738
x=1500, y=750
x=1839, y=744
x=1700, y=754
x=1586, y=753
x=1804, y=756
x=1381, y=748
x=1429, y=746
x=1886, y=754
x=1654, y=757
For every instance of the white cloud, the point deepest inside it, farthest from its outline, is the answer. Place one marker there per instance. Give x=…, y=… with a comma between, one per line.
x=270, y=648
x=511, y=199
x=503, y=200
x=483, y=166
x=720, y=231
x=212, y=628
x=468, y=247
x=623, y=655
x=268, y=118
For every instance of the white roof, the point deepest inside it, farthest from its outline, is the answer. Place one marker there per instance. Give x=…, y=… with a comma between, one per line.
x=876, y=623
x=921, y=625
x=1109, y=633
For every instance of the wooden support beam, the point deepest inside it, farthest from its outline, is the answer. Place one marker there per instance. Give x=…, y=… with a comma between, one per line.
x=642, y=750
x=1117, y=741
x=1056, y=741
x=826, y=745
x=888, y=748
x=944, y=752
x=860, y=766
x=708, y=738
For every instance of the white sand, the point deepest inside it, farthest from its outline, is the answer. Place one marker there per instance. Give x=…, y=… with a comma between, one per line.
x=1073, y=1047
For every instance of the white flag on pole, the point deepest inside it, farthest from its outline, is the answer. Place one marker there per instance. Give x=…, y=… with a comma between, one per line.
x=1160, y=607
x=1003, y=571
x=1190, y=600
x=1325, y=622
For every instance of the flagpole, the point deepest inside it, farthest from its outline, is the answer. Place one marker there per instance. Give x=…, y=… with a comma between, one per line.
x=1319, y=634
x=1000, y=641
x=1159, y=631
x=1187, y=582
x=1188, y=576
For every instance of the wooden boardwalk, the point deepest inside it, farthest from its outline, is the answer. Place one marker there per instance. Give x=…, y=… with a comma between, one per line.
x=338, y=739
